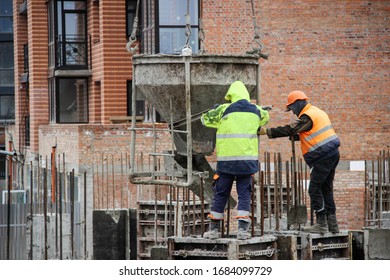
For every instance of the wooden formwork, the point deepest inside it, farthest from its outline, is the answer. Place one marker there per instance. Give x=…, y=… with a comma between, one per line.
x=257, y=248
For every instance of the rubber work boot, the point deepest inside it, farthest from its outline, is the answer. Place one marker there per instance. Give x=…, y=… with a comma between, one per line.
x=243, y=230
x=332, y=223
x=213, y=232
x=320, y=227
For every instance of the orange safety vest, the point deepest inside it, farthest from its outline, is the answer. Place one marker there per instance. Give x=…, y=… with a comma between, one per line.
x=321, y=133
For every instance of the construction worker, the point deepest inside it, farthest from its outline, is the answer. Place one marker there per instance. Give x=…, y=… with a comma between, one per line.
x=237, y=124
x=320, y=149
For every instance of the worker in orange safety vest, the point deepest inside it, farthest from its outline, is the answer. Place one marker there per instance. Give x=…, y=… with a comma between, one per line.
x=320, y=149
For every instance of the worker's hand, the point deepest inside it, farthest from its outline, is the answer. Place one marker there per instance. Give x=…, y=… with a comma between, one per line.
x=262, y=131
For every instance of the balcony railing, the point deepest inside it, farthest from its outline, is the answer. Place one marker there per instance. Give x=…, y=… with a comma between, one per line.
x=72, y=51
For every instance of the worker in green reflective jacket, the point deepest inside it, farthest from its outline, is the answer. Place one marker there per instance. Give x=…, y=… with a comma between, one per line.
x=237, y=124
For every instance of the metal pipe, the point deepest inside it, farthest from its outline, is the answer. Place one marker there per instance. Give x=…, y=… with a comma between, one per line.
x=252, y=206
x=31, y=211
x=55, y=202
x=202, y=206
x=170, y=210
x=8, y=216
x=373, y=192
x=60, y=211
x=276, y=194
x=133, y=122
x=194, y=214
x=10, y=162
x=262, y=202
x=121, y=199
x=53, y=174
x=113, y=181
x=107, y=182
x=288, y=189
x=380, y=190
x=280, y=183
x=45, y=210
x=187, y=68
x=85, y=214
x=72, y=212
x=269, y=189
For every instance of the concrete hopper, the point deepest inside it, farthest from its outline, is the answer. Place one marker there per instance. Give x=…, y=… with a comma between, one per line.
x=162, y=80
x=181, y=88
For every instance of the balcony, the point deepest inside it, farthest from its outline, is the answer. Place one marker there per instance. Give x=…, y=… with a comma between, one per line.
x=71, y=54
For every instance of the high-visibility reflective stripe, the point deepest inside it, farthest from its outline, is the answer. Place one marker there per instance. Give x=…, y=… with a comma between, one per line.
x=323, y=142
x=320, y=134
x=231, y=158
x=226, y=136
x=242, y=214
x=328, y=127
x=225, y=116
x=215, y=215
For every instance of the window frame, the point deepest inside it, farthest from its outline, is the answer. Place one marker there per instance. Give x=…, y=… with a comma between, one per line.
x=176, y=26
x=58, y=41
x=54, y=95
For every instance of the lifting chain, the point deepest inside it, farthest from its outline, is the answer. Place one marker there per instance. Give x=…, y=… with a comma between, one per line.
x=257, y=36
x=132, y=45
x=187, y=48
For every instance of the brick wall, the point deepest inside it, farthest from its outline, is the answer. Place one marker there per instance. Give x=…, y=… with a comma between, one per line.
x=38, y=68
x=349, y=193
x=335, y=51
x=114, y=58
x=21, y=96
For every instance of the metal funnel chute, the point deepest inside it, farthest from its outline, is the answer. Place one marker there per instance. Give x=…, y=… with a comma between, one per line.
x=181, y=88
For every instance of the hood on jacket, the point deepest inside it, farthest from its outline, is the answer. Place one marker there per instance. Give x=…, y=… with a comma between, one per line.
x=237, y=91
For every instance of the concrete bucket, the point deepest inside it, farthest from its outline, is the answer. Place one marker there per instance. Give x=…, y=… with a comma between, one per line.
x=162, y=79
x=181, y=88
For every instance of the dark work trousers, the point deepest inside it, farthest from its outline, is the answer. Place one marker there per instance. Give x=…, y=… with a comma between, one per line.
x=321, y=185
x=222, y=191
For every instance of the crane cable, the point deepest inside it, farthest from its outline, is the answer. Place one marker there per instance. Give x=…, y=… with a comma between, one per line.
x=257, y=36
x=133, y=37
x=186, y=50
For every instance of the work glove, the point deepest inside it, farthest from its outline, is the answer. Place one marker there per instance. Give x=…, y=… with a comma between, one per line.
x=262, y=131
x=294, y=137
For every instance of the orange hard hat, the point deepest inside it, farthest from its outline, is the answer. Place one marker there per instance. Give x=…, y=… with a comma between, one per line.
x=294, y=96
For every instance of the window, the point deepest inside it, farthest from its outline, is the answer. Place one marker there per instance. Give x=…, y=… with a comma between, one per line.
x=6, y=17
x=68, y=100
x=72, y=100
x=172, y=26
x=168, y=36
x=139, y=103
x=7, y=83
x=68, y=44
x=68, y=51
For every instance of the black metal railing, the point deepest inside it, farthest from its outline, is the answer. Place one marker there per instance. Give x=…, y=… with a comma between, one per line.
x=72, y=51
